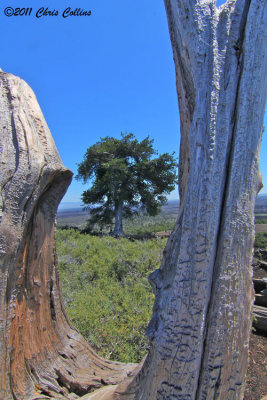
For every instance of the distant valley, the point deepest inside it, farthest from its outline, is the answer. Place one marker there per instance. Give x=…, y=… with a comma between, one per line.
x=73, y=214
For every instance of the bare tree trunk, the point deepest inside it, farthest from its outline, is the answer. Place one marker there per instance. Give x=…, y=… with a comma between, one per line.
x=202, y=314
x=41, y=354
x=118, y=228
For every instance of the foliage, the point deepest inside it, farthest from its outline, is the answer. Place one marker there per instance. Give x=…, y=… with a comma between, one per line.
x=261, y=240
x=139, y=225
x=144, y=224
x=106, y=292
x=105, y=287
x=260, y=220
x=126, y=178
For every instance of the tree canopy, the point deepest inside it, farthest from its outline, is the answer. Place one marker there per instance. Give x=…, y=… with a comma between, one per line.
x=126, y=176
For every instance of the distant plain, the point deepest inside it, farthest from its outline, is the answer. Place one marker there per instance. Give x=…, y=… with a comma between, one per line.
x=76, y=216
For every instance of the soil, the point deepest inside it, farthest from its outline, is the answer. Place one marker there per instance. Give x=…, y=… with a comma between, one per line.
x=261, y=228
x=256, y=388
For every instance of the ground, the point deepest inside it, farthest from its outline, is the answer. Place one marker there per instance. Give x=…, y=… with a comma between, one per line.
x=256, y=387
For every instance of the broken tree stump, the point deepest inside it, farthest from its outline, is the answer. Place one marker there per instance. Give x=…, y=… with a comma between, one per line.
x=41, y=354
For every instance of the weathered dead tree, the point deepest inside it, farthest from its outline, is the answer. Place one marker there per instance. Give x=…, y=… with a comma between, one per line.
x=204, y=294
x=202, y=314
x=41, y=355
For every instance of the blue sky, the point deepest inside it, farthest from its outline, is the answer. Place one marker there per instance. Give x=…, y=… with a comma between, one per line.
x=100, y=75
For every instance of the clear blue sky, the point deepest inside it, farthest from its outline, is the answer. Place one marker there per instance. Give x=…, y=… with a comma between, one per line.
x=100, y=75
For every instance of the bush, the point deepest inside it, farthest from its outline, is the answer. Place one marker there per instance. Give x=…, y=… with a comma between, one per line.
x=261, y=240
x=139, y=225
x=106, y=292
x=143, y=224
x=260, y=220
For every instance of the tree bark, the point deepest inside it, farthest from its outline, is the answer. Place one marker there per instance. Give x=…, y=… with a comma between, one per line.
x=41, y=354
x=118, y=228
x=202, y=314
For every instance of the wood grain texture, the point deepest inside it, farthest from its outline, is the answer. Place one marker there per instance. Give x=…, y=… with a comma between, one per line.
x=204, y=294
x=41, y=354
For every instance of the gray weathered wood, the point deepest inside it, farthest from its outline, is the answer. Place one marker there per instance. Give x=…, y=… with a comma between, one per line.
x=260, y=318
x=204, y=294
x=261, y=300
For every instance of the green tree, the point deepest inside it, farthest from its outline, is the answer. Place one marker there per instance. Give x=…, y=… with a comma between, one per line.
x=126, y=177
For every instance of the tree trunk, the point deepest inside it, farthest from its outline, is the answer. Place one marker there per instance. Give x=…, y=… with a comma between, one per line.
x=118, y=229
x=42, y=355
x=202, y=314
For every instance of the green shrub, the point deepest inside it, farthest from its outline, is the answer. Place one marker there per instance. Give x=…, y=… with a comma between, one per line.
x=144, y=224
x=260, y=220
x=106, y=292
x=261, y=240
x=139, y=225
